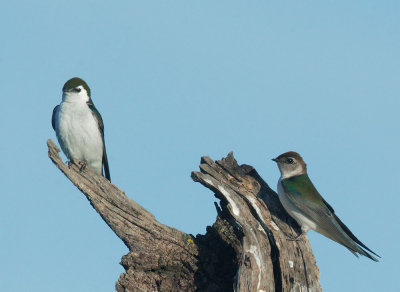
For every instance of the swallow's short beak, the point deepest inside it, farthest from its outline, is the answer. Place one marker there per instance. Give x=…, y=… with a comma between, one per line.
x=274, y=159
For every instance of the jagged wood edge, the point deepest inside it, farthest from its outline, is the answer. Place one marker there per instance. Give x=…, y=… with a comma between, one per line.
x=293, y=264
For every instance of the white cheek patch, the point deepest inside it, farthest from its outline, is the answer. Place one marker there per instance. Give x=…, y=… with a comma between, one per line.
x=84, y=95
x=71, y=96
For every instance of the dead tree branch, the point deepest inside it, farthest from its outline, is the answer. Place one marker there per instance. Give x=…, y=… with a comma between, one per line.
x=246, y=249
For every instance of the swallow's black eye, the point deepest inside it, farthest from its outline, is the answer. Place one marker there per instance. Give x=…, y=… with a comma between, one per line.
x=78, y=89
x=290, y=160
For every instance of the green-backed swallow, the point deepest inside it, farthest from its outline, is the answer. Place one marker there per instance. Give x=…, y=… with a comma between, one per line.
x=79, y=127
x=303, y=202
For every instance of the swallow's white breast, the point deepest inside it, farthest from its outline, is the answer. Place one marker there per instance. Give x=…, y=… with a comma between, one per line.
x=78, y=133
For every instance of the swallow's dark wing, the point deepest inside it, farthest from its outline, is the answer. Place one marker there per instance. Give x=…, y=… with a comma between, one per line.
x=302, y=193
x=53, y=117
x=347, y=230
x=99, y=120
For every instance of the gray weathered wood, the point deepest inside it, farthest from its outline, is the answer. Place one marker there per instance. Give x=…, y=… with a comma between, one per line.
x=246, y=249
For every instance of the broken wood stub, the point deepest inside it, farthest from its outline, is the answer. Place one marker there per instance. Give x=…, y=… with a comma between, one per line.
x=268, y=261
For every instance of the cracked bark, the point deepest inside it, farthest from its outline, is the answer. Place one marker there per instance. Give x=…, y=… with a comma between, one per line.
x=246, y=249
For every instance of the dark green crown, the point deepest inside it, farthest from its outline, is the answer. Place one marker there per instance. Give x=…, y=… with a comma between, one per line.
x=75, y=82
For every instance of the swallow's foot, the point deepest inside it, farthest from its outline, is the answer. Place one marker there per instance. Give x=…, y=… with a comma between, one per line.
x=82, y=165
x=295, y=238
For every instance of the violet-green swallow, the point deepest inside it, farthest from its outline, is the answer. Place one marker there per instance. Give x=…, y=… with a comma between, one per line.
x=79, y=127
x=303, y=202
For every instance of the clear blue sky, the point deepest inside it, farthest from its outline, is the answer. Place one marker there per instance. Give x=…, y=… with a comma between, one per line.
x=175, y=80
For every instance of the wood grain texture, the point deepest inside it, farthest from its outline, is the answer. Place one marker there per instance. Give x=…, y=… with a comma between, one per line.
x=246, y=249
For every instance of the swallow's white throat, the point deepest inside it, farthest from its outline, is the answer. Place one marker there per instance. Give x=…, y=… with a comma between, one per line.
x=72, y=96
x=289, y=172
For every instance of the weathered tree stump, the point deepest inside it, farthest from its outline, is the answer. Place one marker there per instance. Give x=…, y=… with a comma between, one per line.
x=246, y=249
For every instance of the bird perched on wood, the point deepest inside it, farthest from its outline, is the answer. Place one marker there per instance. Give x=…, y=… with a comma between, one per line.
x=79, y=127
x=304, y=203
